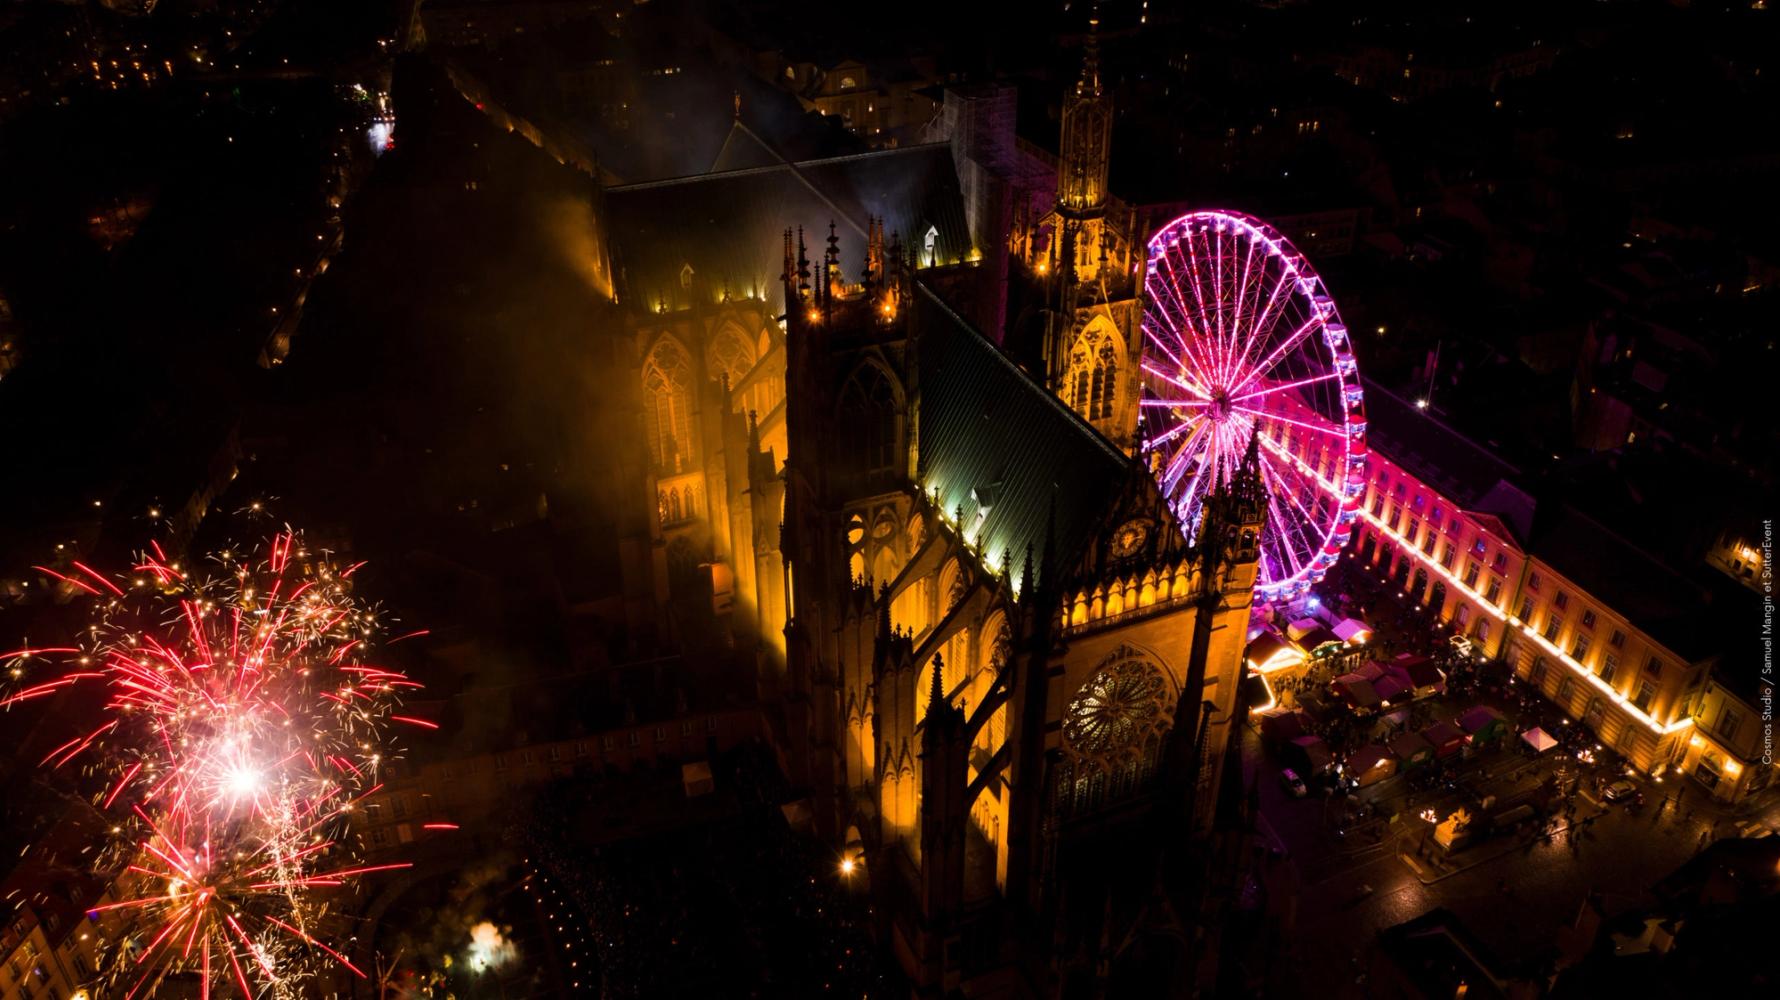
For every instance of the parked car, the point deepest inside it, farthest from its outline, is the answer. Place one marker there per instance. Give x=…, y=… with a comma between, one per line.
x=1619, y=791
x=1294, y=785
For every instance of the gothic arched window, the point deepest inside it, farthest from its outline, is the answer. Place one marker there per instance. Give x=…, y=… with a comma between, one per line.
x=668, y=402
x=730, y=356
x=1106, y=374
x=1091, y=383
x=868, y=415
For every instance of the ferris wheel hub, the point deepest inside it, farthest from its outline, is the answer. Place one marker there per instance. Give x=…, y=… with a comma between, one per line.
x=1221, y=407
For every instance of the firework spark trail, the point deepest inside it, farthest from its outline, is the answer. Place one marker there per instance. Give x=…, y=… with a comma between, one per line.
x=241, y=724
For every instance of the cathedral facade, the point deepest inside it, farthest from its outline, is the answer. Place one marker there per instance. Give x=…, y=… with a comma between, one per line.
x=990, y=657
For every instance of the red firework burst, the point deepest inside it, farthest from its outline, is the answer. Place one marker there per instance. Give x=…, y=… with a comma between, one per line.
x=241, y=722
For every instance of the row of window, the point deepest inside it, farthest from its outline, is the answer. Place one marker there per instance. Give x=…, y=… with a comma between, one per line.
x=1092, y=382
x=1392, y=510
x=667, y=390
x=673, y=506
x=1643, y=699
x=1582, y=642
x=31, y=976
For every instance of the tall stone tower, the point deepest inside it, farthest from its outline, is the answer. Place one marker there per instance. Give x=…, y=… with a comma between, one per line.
x=1086, y=257
x=1087, y=142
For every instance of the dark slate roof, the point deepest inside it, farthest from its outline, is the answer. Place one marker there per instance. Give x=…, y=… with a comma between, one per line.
x=1728, y=618
x=1671, y=608
x=1438, y=955
x=1429, y=450
x=729, y=226
x=742, y=149
x=989, y=433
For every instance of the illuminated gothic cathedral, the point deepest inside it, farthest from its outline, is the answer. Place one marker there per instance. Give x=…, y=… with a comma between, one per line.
x=996, y=669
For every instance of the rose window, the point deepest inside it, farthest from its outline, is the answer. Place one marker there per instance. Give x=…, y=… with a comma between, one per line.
x=1119, y=708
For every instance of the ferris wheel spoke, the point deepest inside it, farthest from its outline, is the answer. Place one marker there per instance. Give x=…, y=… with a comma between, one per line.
x=1194, y=349
x=1249, y=374
x=1282, y=387
x=1266, y=415
x=1198, y=292
x=1174, y=381
x=1170, y=321
x=1163, y=347
x=1257, y=334
x=1282, y=489
x=1188, y=499
x=1233, y=280
x=1300, y=541
x=1281, y=547
x=1177, y=463
x=1186, y=319
x=1188, y=449
x=1233, y=443
x=1240, y=337
x=1173, y=432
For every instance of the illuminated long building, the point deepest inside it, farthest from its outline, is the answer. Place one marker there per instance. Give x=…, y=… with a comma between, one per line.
x=1606, y=632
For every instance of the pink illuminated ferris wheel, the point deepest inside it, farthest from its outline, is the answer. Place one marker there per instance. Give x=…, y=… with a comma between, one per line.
x=1240, y=338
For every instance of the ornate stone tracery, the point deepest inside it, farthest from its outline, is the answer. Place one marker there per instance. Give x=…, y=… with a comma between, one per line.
x=1113, y=731
x=1119, y=706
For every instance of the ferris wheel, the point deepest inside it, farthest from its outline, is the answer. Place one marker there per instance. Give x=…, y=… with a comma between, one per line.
x=1242, y=340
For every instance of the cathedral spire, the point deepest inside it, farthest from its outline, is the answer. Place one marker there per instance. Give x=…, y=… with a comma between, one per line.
x=831, y=266
x=1087, y=134
x=884, y=624
x=936, y=697
x=874, y=251
x=803, y=268
x=1089, y=83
